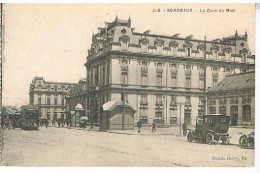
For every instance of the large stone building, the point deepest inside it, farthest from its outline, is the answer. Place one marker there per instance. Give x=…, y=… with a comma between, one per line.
x=50, y=96
x=155, y=72
x=235, y=96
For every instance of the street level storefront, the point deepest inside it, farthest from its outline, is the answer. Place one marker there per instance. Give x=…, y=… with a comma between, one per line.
x=117, y=115
x=235, y=96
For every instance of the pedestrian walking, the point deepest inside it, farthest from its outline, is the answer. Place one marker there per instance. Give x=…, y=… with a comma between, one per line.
x=46, y=123
x=184, y=128
x=139, y=125
x=154, y=126
x=59, y=122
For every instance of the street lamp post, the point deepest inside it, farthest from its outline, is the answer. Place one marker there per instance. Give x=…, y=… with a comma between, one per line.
x=205, y=73
x=123, y=117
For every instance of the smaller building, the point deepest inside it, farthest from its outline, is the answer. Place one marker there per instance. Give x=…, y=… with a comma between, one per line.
x=50, y=97
x=234, y=96
x=117, y=115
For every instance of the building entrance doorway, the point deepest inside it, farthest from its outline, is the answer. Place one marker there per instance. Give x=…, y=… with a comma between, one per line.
x=234, y=115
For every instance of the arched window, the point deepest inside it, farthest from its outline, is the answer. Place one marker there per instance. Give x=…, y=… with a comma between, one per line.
x=247, y=113
x=212, y=110
x=222, y=110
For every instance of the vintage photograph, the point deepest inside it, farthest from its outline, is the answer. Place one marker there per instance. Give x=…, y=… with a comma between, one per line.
x=127, y=85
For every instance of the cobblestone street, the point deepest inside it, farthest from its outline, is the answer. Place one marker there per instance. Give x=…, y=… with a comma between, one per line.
x=74, y=147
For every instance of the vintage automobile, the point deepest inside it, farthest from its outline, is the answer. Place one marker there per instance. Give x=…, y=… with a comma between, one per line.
x=210, y=128
x=247, y=140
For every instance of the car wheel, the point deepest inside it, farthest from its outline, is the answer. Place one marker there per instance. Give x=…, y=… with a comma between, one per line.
x=190, y=137
x=225, y=140
x=243, y=141
x=209, y=138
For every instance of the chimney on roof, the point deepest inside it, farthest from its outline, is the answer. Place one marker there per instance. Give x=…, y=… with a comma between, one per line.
x=147, y=32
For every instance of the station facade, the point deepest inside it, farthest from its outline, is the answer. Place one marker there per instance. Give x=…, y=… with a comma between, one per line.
x=156, y=73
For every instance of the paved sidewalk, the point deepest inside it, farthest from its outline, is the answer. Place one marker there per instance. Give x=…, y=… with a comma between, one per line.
x=146, y=130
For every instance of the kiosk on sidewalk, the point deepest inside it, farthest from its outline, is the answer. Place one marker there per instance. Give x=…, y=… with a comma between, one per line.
x=117, y=115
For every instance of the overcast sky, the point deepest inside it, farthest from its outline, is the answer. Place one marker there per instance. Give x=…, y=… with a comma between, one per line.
x=51, y=40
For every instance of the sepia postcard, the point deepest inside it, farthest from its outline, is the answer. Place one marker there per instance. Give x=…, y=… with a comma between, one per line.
x=127, y=85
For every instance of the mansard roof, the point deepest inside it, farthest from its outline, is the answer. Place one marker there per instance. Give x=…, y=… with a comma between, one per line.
x=236, y=82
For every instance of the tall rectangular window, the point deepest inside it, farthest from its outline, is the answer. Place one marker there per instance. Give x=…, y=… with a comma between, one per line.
x=48, y=101
x=174, y=80
x=144, y=79
x=173, y=101
x=62, y=101
x=215, y=54
x=159, y=100
x=124, y=78
x=143, y=113
x=188, y=51
x=55, y=101
x=39, y=100
x=188, y=82
x=215, y=82
x=48, y=114
x=159, y=80
x=159, y=49
x=187, y=100
x=144, y=99
x=201, y=83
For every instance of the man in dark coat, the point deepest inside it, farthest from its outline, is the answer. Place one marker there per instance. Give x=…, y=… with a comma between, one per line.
x=154, y=126
x=184, y=128
x=139, y=125
x=46, y=123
